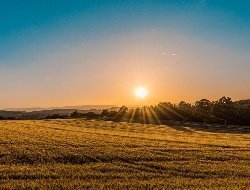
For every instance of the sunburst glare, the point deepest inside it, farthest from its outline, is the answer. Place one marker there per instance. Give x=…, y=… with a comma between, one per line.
x=141, y=92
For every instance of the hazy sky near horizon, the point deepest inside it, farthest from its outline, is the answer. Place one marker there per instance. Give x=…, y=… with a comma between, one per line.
x=59, y=53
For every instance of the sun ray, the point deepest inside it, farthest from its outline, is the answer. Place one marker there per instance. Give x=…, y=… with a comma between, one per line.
x=150, y=116
x=172, y=111
x=132, y=116
x=155, y=116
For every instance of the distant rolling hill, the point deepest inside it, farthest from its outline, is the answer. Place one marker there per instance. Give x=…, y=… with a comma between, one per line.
x=82, y=107
x=40, y=113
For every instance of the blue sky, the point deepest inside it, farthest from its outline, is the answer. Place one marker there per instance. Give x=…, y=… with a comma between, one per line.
x=26, y=24
x=32, y=30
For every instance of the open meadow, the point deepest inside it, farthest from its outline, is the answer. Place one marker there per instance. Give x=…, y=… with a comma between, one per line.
x=89, y=154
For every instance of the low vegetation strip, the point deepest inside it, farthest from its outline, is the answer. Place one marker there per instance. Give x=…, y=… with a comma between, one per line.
x=90, y=154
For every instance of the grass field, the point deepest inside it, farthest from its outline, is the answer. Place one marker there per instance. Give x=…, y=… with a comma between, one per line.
x=81, y=154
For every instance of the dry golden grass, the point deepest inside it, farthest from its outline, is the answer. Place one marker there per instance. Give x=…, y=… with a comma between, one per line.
x=80, y=154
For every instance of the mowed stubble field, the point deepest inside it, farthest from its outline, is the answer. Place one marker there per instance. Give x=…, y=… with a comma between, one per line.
x=88, y=154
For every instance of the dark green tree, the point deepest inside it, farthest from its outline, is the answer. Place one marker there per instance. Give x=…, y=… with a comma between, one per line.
x=185, y=109
x=105, y=113
x=224, y=109
x=75, y=114
x=203, y=109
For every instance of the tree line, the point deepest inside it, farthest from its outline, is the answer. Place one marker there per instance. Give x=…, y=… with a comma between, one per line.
x=222, y=111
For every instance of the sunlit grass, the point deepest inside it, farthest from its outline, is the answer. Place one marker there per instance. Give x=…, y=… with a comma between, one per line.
x=55, y=154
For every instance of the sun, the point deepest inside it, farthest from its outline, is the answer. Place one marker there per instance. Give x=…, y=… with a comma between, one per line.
x=141, y=92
